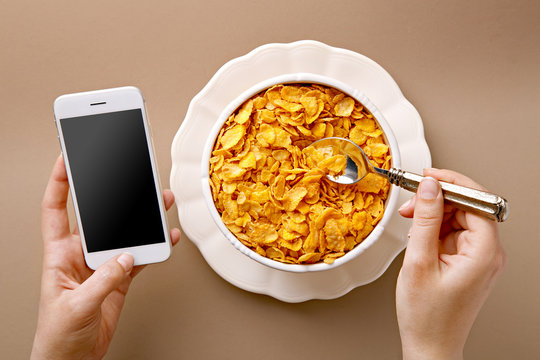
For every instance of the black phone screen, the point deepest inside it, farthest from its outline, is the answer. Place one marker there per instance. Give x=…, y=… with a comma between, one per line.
x=113, y=180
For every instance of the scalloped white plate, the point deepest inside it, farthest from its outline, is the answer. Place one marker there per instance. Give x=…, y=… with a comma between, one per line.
x=231, y=80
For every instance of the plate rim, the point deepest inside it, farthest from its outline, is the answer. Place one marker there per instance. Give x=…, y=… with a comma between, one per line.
x=186, y=124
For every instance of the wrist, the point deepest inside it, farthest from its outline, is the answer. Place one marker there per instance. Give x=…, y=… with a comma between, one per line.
x=420, y=352
x=45, y=348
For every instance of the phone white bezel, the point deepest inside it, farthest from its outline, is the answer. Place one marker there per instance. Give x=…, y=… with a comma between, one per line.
x=117, y=99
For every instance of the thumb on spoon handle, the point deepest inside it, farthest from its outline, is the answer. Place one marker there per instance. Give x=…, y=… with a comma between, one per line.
x=489, y=205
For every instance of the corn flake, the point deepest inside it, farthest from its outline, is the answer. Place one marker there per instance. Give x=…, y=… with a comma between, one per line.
x=231, y=137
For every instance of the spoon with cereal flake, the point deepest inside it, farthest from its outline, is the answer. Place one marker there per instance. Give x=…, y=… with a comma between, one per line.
x=354, y=165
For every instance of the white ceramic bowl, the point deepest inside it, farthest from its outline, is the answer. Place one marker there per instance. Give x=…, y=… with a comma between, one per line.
x=391, y=201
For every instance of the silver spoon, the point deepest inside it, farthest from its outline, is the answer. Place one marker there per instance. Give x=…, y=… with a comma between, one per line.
x=358, y=166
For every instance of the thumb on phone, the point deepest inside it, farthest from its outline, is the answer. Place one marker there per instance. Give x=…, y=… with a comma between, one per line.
x=105, y=280
x=423, y=247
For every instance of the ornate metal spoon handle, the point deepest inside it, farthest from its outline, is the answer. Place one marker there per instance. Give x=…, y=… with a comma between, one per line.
x=482, y=203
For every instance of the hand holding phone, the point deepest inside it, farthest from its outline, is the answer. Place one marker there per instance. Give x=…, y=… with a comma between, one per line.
x=79, y=308
x=108, y=153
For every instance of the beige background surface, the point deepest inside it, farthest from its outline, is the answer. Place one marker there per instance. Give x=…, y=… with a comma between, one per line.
x=471, y=68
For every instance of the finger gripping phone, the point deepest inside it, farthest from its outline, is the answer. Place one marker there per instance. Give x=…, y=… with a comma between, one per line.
x=107, y=147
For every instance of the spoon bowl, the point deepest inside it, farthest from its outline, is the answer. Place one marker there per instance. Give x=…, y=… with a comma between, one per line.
x=358, y=164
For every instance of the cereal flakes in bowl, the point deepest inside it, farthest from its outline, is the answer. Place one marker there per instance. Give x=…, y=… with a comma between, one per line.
x=270, y=197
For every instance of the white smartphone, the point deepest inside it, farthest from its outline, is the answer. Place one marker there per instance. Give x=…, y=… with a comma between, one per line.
x=107, y=147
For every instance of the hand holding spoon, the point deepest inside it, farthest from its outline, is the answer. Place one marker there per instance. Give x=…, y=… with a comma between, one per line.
x=358, y=166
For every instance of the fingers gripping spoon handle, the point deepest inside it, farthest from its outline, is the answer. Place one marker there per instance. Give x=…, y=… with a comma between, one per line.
x=479, y=202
